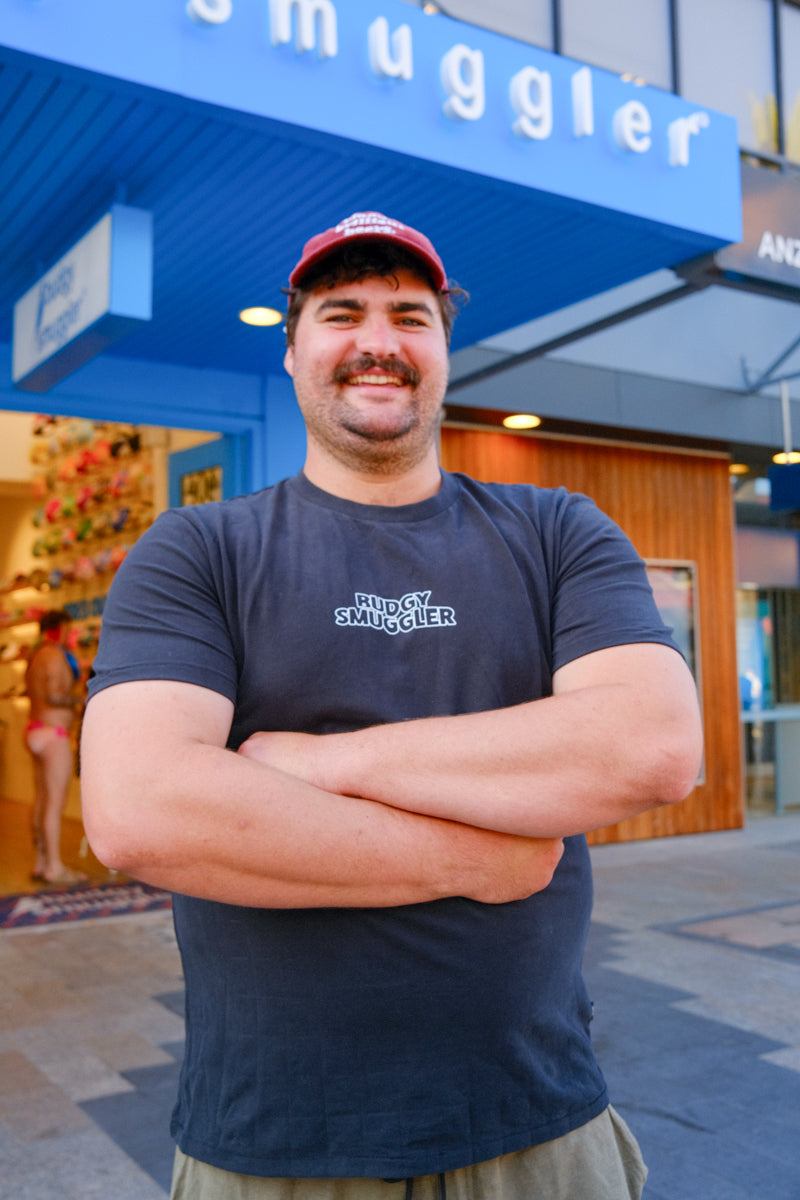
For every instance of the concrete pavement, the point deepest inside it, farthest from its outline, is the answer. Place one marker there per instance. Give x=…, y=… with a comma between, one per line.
x=693, y=965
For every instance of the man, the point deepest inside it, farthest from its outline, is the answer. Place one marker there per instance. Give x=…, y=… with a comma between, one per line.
x=429, y=683
x=51, y=681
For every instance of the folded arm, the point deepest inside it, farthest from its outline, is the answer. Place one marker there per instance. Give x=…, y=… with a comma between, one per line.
x=164, y=801
x=620, y=734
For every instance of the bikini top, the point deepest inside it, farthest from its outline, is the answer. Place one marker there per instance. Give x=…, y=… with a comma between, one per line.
x=72, y=663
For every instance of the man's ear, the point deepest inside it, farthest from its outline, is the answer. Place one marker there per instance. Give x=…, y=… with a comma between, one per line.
x=288, y=360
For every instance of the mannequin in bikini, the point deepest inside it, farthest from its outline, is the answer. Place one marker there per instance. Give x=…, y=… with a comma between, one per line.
x=52, y=685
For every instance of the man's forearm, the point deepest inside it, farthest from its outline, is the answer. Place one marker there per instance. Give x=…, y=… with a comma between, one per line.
x=482, y=769
x=554, y=767
x=479, y=769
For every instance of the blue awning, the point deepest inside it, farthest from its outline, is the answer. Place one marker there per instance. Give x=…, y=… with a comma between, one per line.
x=540, y=181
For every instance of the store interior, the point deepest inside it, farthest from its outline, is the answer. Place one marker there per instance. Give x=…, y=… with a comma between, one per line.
x=75, y=494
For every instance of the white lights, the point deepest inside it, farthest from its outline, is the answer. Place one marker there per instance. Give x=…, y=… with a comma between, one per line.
x=522, y=421
x=257, y=315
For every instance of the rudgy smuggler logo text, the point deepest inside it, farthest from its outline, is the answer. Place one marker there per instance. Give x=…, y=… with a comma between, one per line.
x=410, y=612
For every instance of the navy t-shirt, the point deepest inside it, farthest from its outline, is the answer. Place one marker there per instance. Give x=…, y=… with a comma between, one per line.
x=393, y=1041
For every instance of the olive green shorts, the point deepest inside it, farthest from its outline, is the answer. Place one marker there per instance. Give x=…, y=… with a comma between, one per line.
x=599, y=1161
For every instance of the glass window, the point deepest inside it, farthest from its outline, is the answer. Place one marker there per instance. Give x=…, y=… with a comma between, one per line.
x=525, y=20
x=790, y=55
x=727, y=63
x=625, y=36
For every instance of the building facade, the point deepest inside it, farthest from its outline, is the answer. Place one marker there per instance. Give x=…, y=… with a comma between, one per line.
x=613, y=184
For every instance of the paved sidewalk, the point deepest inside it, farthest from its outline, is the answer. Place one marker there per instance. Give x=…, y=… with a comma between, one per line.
x=693, y=964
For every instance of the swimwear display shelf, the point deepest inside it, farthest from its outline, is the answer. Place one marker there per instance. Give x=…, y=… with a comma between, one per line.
x=89, y=499
x=92, y=489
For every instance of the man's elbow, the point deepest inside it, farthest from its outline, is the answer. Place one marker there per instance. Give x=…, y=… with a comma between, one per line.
x=117, y=837
x=113, y=849
x=675, y=766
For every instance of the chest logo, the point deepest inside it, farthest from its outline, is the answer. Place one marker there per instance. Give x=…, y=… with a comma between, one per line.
x=412, y=611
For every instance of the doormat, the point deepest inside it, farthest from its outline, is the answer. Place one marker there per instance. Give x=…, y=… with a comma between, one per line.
x=51, y=907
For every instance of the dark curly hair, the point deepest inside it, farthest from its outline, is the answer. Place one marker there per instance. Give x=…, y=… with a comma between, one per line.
x=54, y=619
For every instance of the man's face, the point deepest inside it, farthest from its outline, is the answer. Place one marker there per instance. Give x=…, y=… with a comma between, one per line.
x=369, y=363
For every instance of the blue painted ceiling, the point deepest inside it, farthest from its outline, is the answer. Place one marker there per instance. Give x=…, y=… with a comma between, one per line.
x=234, y=197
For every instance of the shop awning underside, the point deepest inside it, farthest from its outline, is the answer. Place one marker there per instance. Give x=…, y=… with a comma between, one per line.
x=235, y=196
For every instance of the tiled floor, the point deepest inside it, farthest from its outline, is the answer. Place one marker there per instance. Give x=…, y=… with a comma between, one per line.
x=16, y=850
x=699, y=1028
x=693, y=964
x=78, y=1011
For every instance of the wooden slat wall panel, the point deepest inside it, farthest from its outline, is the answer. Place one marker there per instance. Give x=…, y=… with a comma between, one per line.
x=671, y=505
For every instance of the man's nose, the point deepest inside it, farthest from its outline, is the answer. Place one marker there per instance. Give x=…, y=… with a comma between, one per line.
x=378, y=336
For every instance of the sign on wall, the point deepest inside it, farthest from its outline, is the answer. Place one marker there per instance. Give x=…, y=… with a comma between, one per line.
x=98, y=291
x=770, y=247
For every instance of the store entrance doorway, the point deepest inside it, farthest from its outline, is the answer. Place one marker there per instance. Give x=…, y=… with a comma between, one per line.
x=75, y=495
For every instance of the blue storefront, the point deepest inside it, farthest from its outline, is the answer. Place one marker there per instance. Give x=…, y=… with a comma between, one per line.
x=240, y=127
x=163, y=164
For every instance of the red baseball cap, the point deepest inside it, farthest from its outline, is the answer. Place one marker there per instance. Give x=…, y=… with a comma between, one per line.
x=370, y=227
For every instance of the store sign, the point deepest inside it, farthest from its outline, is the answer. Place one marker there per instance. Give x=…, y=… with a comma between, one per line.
x=98, y=291
x=784, y=479
x=313, y=25
x=769, y=251
x=382, y=74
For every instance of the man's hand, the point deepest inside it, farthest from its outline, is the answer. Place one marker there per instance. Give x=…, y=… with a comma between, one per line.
x=295, y=753
x=501, y=867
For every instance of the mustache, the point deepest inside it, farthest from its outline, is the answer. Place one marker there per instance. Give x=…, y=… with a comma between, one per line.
x=368, y=362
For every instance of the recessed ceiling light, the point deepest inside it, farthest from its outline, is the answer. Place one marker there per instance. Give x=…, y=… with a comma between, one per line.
x=738, y=469
x=522, y=421
x=787, y=456
x=260, y=316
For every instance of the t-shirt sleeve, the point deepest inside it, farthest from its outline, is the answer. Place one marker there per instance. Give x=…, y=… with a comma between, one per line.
x=163, y=617
x=602, y=597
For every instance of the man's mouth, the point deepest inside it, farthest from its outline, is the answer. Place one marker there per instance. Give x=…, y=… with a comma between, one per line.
x=371, y=372
x=375, y=380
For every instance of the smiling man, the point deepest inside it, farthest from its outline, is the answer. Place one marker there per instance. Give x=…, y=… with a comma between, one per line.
x=381, y=704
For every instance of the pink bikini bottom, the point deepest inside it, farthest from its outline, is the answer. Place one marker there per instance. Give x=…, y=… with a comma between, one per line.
x=42, y=733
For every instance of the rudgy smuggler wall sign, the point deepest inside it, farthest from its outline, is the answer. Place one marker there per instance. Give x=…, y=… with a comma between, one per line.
x=97, y=292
